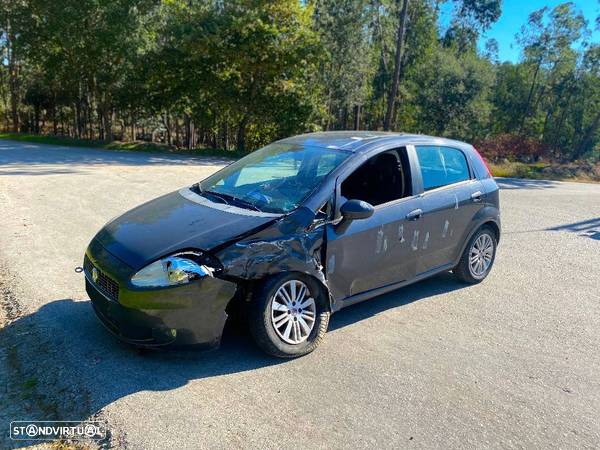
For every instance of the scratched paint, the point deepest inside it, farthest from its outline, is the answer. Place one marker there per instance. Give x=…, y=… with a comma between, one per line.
x=401, y=233
x=455, y=201
x=426, y=241
x=445, y=230
x=415, y=241
x=379, y=242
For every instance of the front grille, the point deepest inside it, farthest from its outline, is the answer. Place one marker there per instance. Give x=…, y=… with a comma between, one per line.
x=105, y=284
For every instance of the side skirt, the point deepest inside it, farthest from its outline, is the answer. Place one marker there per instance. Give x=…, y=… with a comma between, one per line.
x=357, y=298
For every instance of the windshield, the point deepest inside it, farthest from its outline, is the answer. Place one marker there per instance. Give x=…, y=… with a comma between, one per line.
x=276, y=178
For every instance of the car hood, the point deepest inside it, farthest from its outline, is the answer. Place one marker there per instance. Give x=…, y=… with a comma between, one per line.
x=176, y=221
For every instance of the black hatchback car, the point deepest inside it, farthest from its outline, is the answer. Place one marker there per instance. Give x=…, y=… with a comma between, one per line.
x=291, y=234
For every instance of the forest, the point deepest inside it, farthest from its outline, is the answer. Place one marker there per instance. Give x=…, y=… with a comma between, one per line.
x=237, y=74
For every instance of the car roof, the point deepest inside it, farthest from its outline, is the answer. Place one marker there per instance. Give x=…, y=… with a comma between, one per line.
x=362, y=141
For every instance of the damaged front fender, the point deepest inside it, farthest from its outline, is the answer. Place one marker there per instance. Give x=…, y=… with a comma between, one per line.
x=292, y=244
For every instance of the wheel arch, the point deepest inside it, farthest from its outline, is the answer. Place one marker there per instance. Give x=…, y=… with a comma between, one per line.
x=494, y=226
x=477, y=225
x=249, y=286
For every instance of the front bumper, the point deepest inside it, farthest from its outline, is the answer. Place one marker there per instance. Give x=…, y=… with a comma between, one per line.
x=190, y=314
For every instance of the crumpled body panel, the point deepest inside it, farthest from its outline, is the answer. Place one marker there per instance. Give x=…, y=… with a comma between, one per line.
x=290, y=244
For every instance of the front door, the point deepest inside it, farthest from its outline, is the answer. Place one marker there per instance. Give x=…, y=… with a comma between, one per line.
x=374, y=252
x=381, y=250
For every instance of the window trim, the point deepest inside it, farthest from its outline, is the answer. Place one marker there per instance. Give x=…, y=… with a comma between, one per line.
x=447, y=186
x=411, y=167
x=472, y=175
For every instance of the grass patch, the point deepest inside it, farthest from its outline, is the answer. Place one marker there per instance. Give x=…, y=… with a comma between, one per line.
x=52, y=140
x=576, y=171
x=28, y=390
x=516, y=169
x=137, y=146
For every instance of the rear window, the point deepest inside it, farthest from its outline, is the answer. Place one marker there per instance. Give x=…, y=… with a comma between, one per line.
x=441, y=166
x=479, y=165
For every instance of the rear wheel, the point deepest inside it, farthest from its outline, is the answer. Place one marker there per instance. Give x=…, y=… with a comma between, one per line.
x=289, y=315
x=478, y=257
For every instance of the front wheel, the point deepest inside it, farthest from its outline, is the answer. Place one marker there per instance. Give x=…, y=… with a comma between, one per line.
x=478, y=257
x=289, y=315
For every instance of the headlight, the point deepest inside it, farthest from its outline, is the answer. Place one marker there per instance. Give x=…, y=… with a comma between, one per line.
x=170, y=271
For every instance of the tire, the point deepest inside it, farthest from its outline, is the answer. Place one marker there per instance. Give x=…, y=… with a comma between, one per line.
x=485, y=237
x=270, y=312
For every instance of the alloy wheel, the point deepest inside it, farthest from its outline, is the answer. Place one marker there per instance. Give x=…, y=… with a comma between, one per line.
x=293, y=312
x=480, y=255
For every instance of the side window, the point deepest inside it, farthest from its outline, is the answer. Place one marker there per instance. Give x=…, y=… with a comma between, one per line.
x=381, y=179
x=441, y=166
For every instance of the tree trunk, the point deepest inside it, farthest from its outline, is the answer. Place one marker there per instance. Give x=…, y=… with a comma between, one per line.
x=189, y=132
x=77, y=127
x=167, y=122
x=344, y=118
x=241, y=134
x=329, y=113
x=107, y=119
x=587, y=136
x=13, y=71
x=531, y=89
x=225, y=134
x=36, y=119
x=357, y=117
x=132, y=128
x=398, y=60
x=89, y=115
x=54, y=121
x=6, y=113
x=557, y=130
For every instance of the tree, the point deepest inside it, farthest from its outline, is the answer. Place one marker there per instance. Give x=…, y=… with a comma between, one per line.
x=241, y=73
x=397, y=63
x=547, y=41
x=345, y=67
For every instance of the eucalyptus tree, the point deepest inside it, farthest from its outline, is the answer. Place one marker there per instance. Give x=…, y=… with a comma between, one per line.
x=345, y=72
x=547, y=42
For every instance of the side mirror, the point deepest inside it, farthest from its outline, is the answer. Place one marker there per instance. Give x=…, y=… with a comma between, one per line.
x=356, y=209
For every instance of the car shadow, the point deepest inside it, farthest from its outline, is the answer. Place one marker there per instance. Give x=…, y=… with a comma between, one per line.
x=522, y=183
x=586, y=228
x=108, y=370
x=439, y=284
x=99, y=369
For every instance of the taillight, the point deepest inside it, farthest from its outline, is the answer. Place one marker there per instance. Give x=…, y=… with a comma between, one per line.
x=487, y=167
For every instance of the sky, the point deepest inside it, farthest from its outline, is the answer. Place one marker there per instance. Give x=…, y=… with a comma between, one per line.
x=514, y=15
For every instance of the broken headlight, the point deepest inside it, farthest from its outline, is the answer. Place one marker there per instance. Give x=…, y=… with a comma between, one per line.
x=172, y=271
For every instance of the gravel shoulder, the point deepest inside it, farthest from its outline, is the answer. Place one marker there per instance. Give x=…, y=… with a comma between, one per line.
x=509, y=363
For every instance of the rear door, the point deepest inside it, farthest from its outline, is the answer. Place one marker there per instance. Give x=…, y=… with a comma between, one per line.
x=451, y=197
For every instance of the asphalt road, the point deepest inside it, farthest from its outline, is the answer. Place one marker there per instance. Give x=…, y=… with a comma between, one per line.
x=513, y=362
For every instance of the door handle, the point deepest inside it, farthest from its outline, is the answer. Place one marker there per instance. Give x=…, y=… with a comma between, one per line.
x=476, y=196
x=414, y=214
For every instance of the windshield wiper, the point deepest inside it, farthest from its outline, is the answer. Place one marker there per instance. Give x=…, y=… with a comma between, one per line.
x=215, y=194
x=227, y=198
